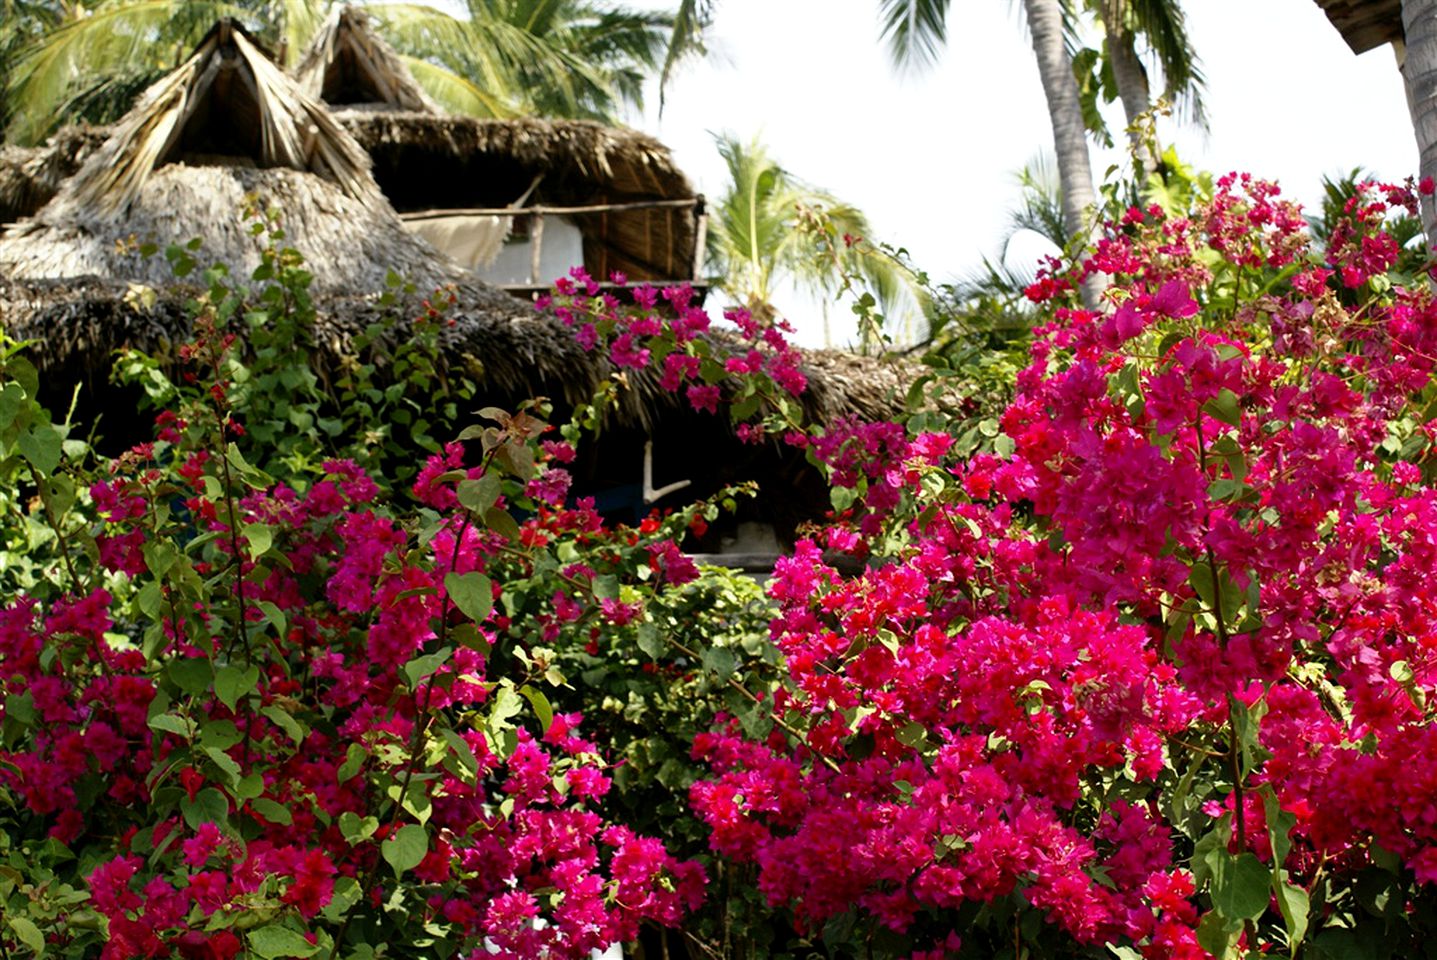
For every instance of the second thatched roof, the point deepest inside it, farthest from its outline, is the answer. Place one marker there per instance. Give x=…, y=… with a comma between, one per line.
x=427, y=162
x=1365, y=24
x=349, y=65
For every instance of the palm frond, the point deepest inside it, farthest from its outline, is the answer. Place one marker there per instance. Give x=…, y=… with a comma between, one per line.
x=456, y=94
x=690, y=20
x=916, y=30
x=1163, y=27
x=131, y=39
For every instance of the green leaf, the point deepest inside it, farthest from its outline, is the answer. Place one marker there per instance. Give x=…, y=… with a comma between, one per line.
x=192, y=674
x=542, y=708
x=472, y=593
x=479, y=495
x=233, y=682
x=29, y=934
x=225, y=762
x=461, y=750
x=208, y=806
x=160, y=556
x=275, y=616
x=148, y=598
x=1225, y=407
x=720, y=661
x=649, y=640
x=173, y=723
x=1240, y=884
x=501, y=523
x=405, y=848
x=260, y=537
x=281, y=718
x=353, y=761
x=357, y=829
x=911, y=734
x=271, y=811
x=421, y=667
x=505, y=706
x=1218, y=935
x=41, y=445
x=274, y=941
x=1292, y=901
x=220, y=734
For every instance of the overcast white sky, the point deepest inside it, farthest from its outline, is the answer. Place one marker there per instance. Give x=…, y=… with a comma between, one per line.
x=930, y=158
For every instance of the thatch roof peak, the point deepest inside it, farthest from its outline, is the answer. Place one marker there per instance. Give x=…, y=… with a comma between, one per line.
x=348, y=64
x=227, y=105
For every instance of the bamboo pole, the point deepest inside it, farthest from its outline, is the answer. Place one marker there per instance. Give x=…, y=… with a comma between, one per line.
x=553, y=211
x=536, y=237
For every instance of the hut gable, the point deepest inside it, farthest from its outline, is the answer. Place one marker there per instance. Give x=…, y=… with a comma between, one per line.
x=228, y=105
x=349, y=65
x=227, y=125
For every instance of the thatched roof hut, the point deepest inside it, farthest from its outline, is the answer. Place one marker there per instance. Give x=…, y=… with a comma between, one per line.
x=636, y=211
x=470, y=185
x=226, y=125
x=1365, y=24
x=349, y=65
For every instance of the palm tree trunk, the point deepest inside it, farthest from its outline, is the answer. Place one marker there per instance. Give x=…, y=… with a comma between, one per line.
x=1075, y=174
x=1419, y=72
x=1132, y=83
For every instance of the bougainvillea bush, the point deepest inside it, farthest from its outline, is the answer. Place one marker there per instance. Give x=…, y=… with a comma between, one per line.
x=1155, y=679
x=1152, y=675
x=260, y=702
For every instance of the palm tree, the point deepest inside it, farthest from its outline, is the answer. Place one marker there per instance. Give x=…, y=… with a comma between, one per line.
x=574, y=58
x=1118, y=72
x=769, y=227
x=1418, y=59
x=563, y=58
x=74, y=62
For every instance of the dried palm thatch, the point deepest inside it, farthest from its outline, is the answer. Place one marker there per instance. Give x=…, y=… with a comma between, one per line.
x=31, y=176
x=349, y=64
x=225, y=126
x=349, y=245
x=227, y=100
x=429, y=162
x=1365, y=24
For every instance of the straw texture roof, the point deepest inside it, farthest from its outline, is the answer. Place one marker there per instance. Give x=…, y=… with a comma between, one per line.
x=224, y=126
x=349, y=245
x=180, y=165
x=424, y=162
x=349, y=64
x=509, y=350
x=1365, y=24
x=228, y=101
x=31, y=176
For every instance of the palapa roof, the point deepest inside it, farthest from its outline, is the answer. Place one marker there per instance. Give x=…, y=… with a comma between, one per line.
x=425, y=161
x=31, y=176
x=513, y=351
x=1365, y=24
x=349, y=64
x=226, y=125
